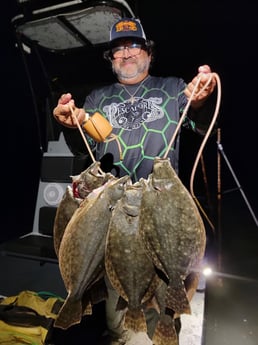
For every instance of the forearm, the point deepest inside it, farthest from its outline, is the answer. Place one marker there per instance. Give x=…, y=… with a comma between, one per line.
x=202, y=114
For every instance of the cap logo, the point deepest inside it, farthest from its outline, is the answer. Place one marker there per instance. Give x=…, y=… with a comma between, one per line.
x=126, y=26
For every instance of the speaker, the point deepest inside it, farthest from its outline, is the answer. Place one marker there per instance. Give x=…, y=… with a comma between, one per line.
x=57, y=166
x=49, y=196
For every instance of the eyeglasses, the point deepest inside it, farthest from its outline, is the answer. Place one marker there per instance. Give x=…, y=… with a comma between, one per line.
x=133, y=49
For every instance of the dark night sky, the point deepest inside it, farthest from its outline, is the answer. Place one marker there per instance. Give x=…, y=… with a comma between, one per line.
x=224, y=35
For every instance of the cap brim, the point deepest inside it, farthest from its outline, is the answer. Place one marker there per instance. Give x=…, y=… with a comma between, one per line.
x=130, y=38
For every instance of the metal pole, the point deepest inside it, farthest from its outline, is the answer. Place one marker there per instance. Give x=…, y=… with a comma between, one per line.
x=219, y=200
x=221, y=151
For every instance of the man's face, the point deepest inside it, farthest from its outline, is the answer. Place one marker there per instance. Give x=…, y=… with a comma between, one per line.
x=129, y=58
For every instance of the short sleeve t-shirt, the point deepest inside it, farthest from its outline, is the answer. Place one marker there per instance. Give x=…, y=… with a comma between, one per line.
x=144, y=118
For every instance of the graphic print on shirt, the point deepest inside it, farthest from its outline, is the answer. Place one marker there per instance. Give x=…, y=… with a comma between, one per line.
x=130, y=116
x=143, y=123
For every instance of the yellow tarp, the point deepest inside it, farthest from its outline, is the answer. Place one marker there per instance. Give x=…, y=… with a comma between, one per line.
x=18, y=334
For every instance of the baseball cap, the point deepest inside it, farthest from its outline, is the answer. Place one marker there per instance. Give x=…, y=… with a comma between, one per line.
x=127, y=27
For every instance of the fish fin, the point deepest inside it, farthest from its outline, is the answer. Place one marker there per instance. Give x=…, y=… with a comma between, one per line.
x=112, y=275
x=165, y=332
x=191, y=284
x=87, y=310
x=155, y=284
x=152, y=304
x=98, y=291
x=96, y=294
x=176, y=299
x=135, y=320
x=70, y=314
x=86, y=304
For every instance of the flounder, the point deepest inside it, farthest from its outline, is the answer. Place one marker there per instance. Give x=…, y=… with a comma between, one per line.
x=130, y=270
x=172, y=230
x=82, y=250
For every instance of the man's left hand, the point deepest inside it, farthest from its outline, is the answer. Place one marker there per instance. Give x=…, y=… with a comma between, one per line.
x=206, y=85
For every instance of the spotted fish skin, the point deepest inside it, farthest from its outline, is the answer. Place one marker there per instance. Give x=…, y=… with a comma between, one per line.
x=130, y=270
x=165, y=331
x=64, y=212
x=82, y=250
x=172, y=231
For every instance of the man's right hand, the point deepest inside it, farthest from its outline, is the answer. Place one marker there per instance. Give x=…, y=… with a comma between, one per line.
x=66, y=111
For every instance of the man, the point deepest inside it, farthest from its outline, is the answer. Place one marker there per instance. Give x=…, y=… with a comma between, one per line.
x=143, y=111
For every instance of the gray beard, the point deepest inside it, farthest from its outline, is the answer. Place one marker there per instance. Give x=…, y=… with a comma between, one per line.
x=140, y=69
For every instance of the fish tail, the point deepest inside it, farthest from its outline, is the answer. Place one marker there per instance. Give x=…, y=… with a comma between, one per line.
x=165, y=332
x=86, y=304
x=87, y=310
x=69, y=314
x=177, y=300
x=135, y=320
x=98, y=292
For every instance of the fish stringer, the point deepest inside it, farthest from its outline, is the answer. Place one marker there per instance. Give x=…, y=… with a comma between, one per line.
x=199, y=154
